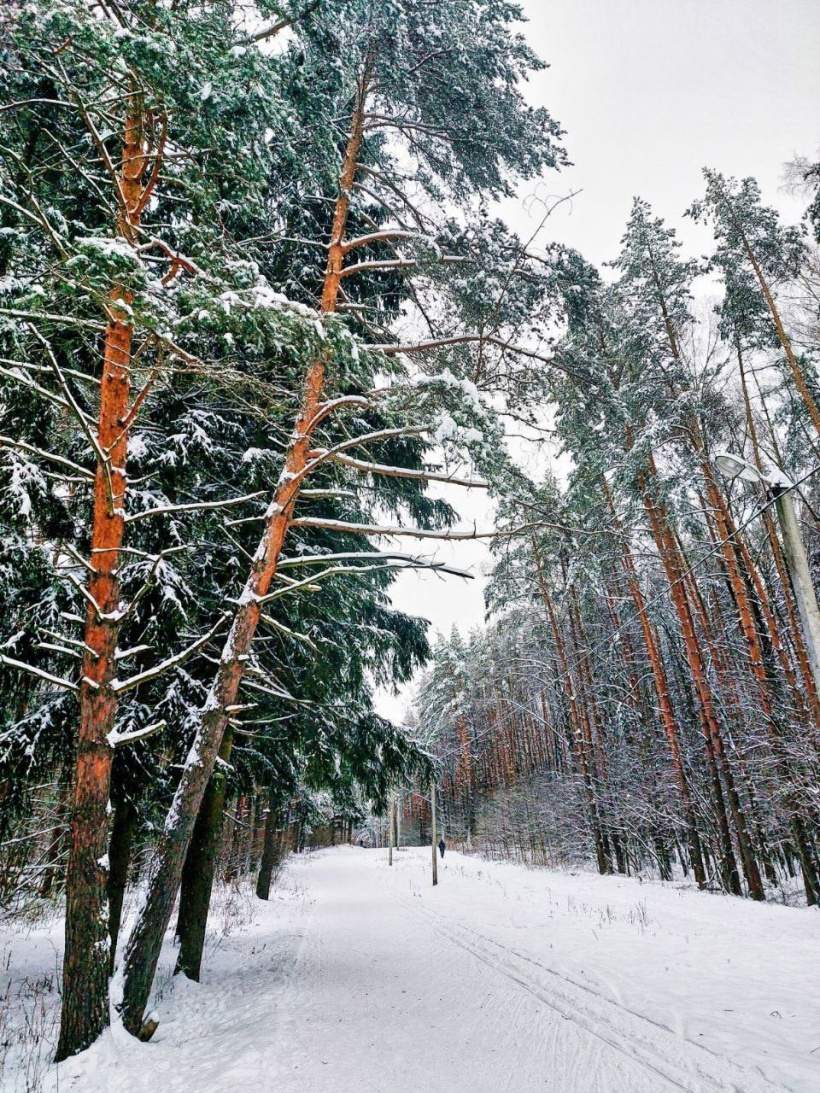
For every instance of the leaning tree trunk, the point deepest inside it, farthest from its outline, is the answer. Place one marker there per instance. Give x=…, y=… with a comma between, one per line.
x=271, y=851
x=710, y=728
x=198, y=878
x=87, y=945
x=668, y=718
x=165, y=871
x=119, y=859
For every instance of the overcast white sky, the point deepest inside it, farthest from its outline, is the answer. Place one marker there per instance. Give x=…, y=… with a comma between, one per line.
x=649, y=92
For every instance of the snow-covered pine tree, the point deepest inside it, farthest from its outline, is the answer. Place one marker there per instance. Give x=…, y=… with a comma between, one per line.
x=430, y=116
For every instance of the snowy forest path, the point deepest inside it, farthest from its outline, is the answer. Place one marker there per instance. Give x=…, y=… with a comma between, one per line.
x=361, y=978
x=390, y=993
x=681, y=1064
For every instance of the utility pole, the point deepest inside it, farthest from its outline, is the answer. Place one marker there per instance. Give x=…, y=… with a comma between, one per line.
x=391, y=817
x=779, y=488
x=800, y=572
x=397, y=822
x=433, y=831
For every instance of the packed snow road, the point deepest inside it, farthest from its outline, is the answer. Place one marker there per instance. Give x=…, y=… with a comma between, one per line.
x=359, y=977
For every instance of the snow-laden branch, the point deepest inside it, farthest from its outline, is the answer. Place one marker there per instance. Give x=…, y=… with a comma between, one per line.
x=464, y=339
x=60, y=649
x=295, y=634
x=386, y=263
x=378, y=529
x=115, y=738
x=124, y=654
x=10, y=662
x=378, y=237
x=81, y=645
x=193, y=506
x=122, y=685
x=29, y=449
x=350, y=555
x=404, y=472
x=316, y=495
x=327, y=408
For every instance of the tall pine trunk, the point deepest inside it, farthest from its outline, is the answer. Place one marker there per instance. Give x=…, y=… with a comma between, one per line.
x=119, y=860
x=198, y=878
x=87, y=959
x=143, y=949
x=668, y=718
x=271, y=850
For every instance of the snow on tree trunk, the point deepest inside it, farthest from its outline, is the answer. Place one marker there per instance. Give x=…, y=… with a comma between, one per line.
x=165, y=870
x=87, y=945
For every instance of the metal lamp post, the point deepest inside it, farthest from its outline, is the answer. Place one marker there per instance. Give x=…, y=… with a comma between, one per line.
x=735, y=466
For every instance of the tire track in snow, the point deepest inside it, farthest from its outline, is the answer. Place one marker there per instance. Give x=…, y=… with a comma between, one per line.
x=681, y=1063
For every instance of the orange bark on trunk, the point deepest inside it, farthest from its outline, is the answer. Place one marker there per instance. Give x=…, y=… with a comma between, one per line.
x=86, y=962
x=576, y=729
x=142, y=952
x=668, y=718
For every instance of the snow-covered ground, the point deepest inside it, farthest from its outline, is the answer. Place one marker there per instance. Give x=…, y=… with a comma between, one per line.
x=358, y=977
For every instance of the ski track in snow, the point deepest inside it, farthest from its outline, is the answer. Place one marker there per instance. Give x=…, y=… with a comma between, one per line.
x=358, y=978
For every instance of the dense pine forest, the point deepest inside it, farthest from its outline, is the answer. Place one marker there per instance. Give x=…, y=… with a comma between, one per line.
x=649, y=691
x=261, y=326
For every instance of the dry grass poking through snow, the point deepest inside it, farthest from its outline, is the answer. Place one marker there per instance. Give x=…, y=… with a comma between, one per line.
x=30, y=996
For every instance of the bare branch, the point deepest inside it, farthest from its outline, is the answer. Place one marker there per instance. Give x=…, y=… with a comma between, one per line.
x=404, y=472
x=193, y=506
x=47, y=676
x=272, y=31
x=122, y=685
x=8, y=442
x=115, y=738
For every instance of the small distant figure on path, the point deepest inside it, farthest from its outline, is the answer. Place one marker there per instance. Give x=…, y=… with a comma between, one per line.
x=441, y=847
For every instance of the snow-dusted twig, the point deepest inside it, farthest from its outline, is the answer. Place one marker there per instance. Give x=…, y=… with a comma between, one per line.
x=10, y=442
x=404, y=472
x=320, y=455
x=282, y=24
x=103, y=458
x=379, y=237
x=356, y=555
x=465, y=339
x=115, y=739
x=48, y=316
x=193, y=506
x=70, y=549
x=122, y=685
x=334, y=571
x=331, y=406
x=295, y=634
x=10, y=662
x=378, y=529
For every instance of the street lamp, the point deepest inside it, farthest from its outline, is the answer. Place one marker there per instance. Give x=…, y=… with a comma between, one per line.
x=734, y=466
x=779, y=488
